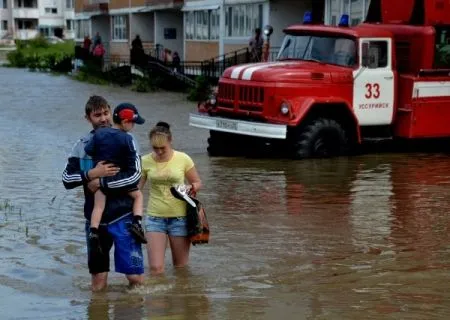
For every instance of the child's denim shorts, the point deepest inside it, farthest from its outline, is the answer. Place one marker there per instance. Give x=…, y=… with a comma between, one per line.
x=176, y=227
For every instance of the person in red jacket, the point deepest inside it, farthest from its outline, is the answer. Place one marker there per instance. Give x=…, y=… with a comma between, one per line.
x=98, y=53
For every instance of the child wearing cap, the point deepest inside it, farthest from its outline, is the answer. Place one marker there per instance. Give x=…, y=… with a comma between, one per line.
x=115, y=145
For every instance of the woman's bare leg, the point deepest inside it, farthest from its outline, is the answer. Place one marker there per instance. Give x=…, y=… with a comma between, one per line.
x=180, y=250
x=156, y=249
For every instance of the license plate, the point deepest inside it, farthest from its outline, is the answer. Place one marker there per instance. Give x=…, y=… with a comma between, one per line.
x=224, y=124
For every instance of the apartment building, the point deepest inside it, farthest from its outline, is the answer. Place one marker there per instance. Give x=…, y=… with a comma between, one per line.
x=69, y=22
x=118, y=22
x=5, y=18
x=199, y=29
x=155, y=21
x=25, y=19
x=216, y=27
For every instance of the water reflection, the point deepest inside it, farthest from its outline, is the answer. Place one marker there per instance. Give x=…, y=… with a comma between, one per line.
x=176, y=297
x=359, y=238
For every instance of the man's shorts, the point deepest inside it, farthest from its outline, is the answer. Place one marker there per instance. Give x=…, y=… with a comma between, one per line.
x=176, y=227
x=128, y=258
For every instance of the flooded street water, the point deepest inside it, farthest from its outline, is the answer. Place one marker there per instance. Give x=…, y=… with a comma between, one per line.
x=366, y=237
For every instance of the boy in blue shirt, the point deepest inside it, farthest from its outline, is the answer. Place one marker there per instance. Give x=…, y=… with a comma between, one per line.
x=115, y=145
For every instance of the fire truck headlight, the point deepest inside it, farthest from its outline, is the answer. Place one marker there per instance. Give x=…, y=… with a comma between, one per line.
x=284, y=108
x=212, y=100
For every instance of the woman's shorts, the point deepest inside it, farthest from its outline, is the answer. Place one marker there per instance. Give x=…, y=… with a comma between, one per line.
x=176, y=227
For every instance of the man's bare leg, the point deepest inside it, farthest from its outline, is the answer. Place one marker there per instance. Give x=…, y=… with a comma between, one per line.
x=99, y=281
x=135, y=279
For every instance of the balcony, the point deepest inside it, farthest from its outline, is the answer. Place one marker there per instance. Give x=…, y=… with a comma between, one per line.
x=25, y=13
x=96, y=5
x=26, y=34
x=69, y=14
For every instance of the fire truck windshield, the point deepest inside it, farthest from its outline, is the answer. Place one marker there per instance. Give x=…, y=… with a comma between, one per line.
x=324, y=49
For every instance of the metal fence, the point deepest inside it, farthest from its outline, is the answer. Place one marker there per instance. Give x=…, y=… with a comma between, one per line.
x=183, y=72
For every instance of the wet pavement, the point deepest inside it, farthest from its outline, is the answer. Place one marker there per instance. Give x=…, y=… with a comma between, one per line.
x=365, y=237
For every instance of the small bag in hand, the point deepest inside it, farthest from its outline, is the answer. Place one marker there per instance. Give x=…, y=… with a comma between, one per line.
x=197, y=222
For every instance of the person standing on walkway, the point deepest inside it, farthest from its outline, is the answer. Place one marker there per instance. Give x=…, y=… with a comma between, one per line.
x=117, y=217
x=256, y=45
x=166, y=215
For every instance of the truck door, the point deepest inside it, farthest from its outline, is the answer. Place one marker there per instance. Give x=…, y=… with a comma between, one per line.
x=373, y=83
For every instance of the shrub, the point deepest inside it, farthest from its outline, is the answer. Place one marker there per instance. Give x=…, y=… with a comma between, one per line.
x=16, y=59
x=146, y=84
x=39, y=54
x=201, y=91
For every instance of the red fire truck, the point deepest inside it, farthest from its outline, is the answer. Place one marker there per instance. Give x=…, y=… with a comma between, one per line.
x=334, y=87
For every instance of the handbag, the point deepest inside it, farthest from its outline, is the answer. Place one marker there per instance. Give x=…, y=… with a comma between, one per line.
x=197, y=222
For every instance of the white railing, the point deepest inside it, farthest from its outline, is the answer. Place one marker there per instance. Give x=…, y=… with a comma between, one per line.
x=26, y=34
x=25, y=13
x=69, y=34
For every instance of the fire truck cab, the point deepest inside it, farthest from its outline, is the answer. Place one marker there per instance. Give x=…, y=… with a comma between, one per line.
x=331, y=87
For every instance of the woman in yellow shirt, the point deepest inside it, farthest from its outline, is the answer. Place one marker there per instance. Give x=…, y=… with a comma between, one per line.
x=166, y=215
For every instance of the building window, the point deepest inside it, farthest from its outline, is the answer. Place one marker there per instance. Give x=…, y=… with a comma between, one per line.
x=357, y=13
x=214, y=24
x=202, y=25
x=69, y=25
x=82, y=28
x=4, y=4
x=242, y=20
x=45, y=31
x=120, y=29
x=25, y=25
x=4, y=25
x=26, y=4
x=189, y=25
x=356, y=9
x=70, y=4
x=51, y=10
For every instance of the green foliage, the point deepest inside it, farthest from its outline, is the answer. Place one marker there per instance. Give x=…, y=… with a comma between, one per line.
x=201, y=91
x=91, y=73
x=147, y=83
x=120, y=75
x=16, y=59
x=38, y=54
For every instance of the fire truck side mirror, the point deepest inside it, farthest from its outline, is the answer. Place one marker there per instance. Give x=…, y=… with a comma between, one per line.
x=365, y=58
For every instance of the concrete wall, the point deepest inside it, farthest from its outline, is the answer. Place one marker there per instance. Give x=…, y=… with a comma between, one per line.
x=284, y=13
x=101, y=24
x=6, y=14
x=51, y=19
x=119, y=51
x=169, y=19
x=143, y=25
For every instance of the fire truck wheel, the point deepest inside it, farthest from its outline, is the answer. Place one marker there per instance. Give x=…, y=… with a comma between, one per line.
x=321, y=139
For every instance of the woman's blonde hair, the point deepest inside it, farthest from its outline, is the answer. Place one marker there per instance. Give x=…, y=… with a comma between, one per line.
x=160, y=134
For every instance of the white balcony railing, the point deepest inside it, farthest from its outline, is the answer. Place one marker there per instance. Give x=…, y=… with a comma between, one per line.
x=26, y=34
x=25, y=13
x=69, y=34
x=69, y=14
